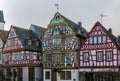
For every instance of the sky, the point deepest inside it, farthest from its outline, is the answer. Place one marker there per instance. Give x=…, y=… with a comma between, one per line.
x=23, y=13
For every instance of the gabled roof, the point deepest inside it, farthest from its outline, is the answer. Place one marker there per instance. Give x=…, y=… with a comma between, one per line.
x=113, y=37
x=39, y=31
x=3, y=35
x=75, y=27
x=23, y=35
x=1, y=17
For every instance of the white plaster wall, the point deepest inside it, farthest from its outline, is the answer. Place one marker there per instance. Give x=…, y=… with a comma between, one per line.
x=25, y=74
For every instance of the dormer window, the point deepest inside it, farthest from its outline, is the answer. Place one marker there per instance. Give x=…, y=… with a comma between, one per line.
x=29, y=41
x=37, y=43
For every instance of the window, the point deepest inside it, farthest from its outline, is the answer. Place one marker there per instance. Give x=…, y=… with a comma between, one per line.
x=104, y=39
x=68, y=75
x=29, y=41
x=109, y=55
x=91, y=40
x=54, y=41
x=99, y=55
x=97, y=27
x=16, y=56
x=65, y=75
x=95, y=40
x=56, y=31
x=58, y=41
x=37, y=43
x=62, y=75
x=99, y=39
x=49, y=57
x=85, y=56
x=6, y=57
x=47, y=75
x=12, y=42
x=31, y=56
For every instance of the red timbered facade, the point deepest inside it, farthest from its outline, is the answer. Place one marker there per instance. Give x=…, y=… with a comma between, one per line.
x=22, y=55
x=99, y=55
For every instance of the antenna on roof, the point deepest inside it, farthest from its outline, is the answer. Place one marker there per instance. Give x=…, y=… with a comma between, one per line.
x=101, y=16
x=57, y=7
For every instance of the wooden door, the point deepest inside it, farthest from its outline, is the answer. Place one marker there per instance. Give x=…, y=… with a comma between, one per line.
x=54, y=75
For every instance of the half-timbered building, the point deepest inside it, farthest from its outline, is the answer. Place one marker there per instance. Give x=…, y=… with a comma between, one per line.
x=61, y=40
x=99, y=57
x=22, y=54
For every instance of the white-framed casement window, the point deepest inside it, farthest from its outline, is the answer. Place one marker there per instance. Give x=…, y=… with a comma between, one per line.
x=99, y=55
x=85, y=56
x=109, y=55
x=65, y=75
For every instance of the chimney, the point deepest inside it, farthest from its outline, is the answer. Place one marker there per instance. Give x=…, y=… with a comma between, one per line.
x=80, y=24
x=110, y=30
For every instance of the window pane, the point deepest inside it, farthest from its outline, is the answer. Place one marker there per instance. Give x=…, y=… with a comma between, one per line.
x=109, y=55
x=91, y=40
x=62, y=75
x=85, y=56
x=95, y=40
x=12, y=42
x=47, y=75
x=99, y=39
x=49, y=57
x=68, y=75
x=99, y=55
x=104, y=39
x=31, y=56
x=58, y=41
